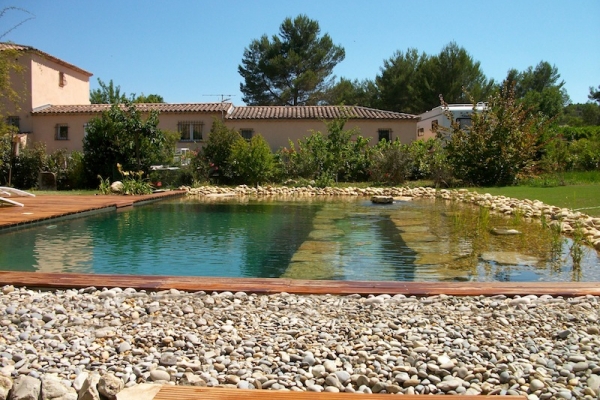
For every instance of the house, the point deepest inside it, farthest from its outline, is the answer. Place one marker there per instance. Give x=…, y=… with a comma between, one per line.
x=55, y=110
x=43, y=79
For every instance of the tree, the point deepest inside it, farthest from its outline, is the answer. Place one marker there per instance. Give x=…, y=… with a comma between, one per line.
x=453, y=74
x=293, y=68
x=413, y=82
x=122, y=135
x=401, y=82
x=540, y=89
x=111, y=94
x=151, y=98
x=594, y=94
x=107, y=94
x=353, y=93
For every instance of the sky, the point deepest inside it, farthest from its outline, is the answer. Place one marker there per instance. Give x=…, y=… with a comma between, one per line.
x=190, y=50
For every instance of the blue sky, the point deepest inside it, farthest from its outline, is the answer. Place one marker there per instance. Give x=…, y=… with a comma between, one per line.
x=189, y=50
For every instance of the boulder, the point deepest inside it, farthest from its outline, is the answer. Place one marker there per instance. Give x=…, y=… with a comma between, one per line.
x=382, y=199
x=116, y=187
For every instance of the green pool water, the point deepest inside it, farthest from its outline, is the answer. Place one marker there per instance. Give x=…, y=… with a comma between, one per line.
x=349, y=239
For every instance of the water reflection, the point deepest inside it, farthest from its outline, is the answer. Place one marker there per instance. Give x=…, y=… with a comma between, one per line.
x=309, y=238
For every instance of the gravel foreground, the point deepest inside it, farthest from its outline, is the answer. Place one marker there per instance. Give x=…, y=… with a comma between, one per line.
x=92, y=343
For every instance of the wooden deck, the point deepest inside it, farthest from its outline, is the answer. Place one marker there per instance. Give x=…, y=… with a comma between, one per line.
x=276, y=285
x=45, y=207
x=168, y=392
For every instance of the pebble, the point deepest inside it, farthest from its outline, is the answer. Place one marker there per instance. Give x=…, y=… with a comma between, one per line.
x=540, y=347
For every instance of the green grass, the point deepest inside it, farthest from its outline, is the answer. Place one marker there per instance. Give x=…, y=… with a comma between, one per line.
x=581, y=197
x=65, y=192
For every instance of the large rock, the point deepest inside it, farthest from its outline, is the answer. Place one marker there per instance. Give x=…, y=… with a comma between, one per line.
x=89, y=389
x=109, y=385
x=5, y=385
x=116, y=187
x=54, y=389
x=26, y=388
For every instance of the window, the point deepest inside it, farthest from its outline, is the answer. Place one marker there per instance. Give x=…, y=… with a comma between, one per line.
x=190, y=130
x=247, y=133
x=434, y=125
x=464, y=122
x=62, y=132
x=421, y=132
x=62, y=81
x=85, y=130
x=13, y=121
x=385, y=134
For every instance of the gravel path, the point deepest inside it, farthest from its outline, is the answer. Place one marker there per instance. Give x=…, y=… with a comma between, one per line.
x=544, y=347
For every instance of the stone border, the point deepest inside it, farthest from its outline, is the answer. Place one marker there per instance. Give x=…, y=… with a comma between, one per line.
x=568, y=220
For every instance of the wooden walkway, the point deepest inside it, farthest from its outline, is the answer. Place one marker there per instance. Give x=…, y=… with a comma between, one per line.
x=277, y=285
x=45, y=207
x=168, y=392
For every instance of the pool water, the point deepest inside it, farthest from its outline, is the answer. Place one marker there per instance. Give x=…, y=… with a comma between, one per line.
x=340, y=239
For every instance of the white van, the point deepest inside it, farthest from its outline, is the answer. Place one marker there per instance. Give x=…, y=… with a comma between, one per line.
x=430, y=120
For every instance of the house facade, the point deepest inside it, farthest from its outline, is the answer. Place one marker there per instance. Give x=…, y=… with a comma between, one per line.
x=42, y=80
x=54, y=109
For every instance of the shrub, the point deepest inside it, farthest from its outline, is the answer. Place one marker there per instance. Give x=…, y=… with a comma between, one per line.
x=216, y=153
x=251, y=162
x=27, y=166
x=391, y=162
x=502, y=142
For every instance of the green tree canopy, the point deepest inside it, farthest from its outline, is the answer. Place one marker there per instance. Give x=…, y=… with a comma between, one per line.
x=123, y=135
x=402, y=82
x=293, y=68
x=540, y=89
x=109, y=93
x=594, y=94
x=413, y=82
x=353, y=93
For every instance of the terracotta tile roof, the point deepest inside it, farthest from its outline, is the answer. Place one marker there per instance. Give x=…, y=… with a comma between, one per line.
x=314, y=112
x=143, y=107
x=18, y=47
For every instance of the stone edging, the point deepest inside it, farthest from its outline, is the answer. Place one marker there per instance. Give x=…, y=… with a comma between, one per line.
x=569, y=220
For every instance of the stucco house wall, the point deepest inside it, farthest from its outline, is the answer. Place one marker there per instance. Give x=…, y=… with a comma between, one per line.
x=279, y=125
x=49, y=120
x=39, y=83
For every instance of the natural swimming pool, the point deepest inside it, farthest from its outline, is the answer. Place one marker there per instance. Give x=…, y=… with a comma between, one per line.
x=341, y=239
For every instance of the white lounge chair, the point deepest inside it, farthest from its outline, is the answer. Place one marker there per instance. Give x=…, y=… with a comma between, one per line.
x=6, y=191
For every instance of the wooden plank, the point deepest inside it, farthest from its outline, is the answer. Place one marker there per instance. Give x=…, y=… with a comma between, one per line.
x=44, y=207
x=275, y=285
x=168, y=392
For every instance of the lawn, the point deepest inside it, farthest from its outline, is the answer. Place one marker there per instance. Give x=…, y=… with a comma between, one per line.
x=581, y=197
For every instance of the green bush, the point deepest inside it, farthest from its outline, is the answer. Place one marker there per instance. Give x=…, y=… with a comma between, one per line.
x=391, y=162
x=27, y=166
x=123, y=135
x=501, y=144
x=341, y=155
x=251, y=162
x=582, y=132
x=213, y=160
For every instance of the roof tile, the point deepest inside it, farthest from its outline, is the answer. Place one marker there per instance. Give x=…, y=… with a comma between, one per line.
x=18, y=47
x=314, y=112
x=143, y=107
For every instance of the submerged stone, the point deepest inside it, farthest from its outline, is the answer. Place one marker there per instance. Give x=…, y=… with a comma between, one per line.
x=505, y=231
x=508, y=258
x=382, y=199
